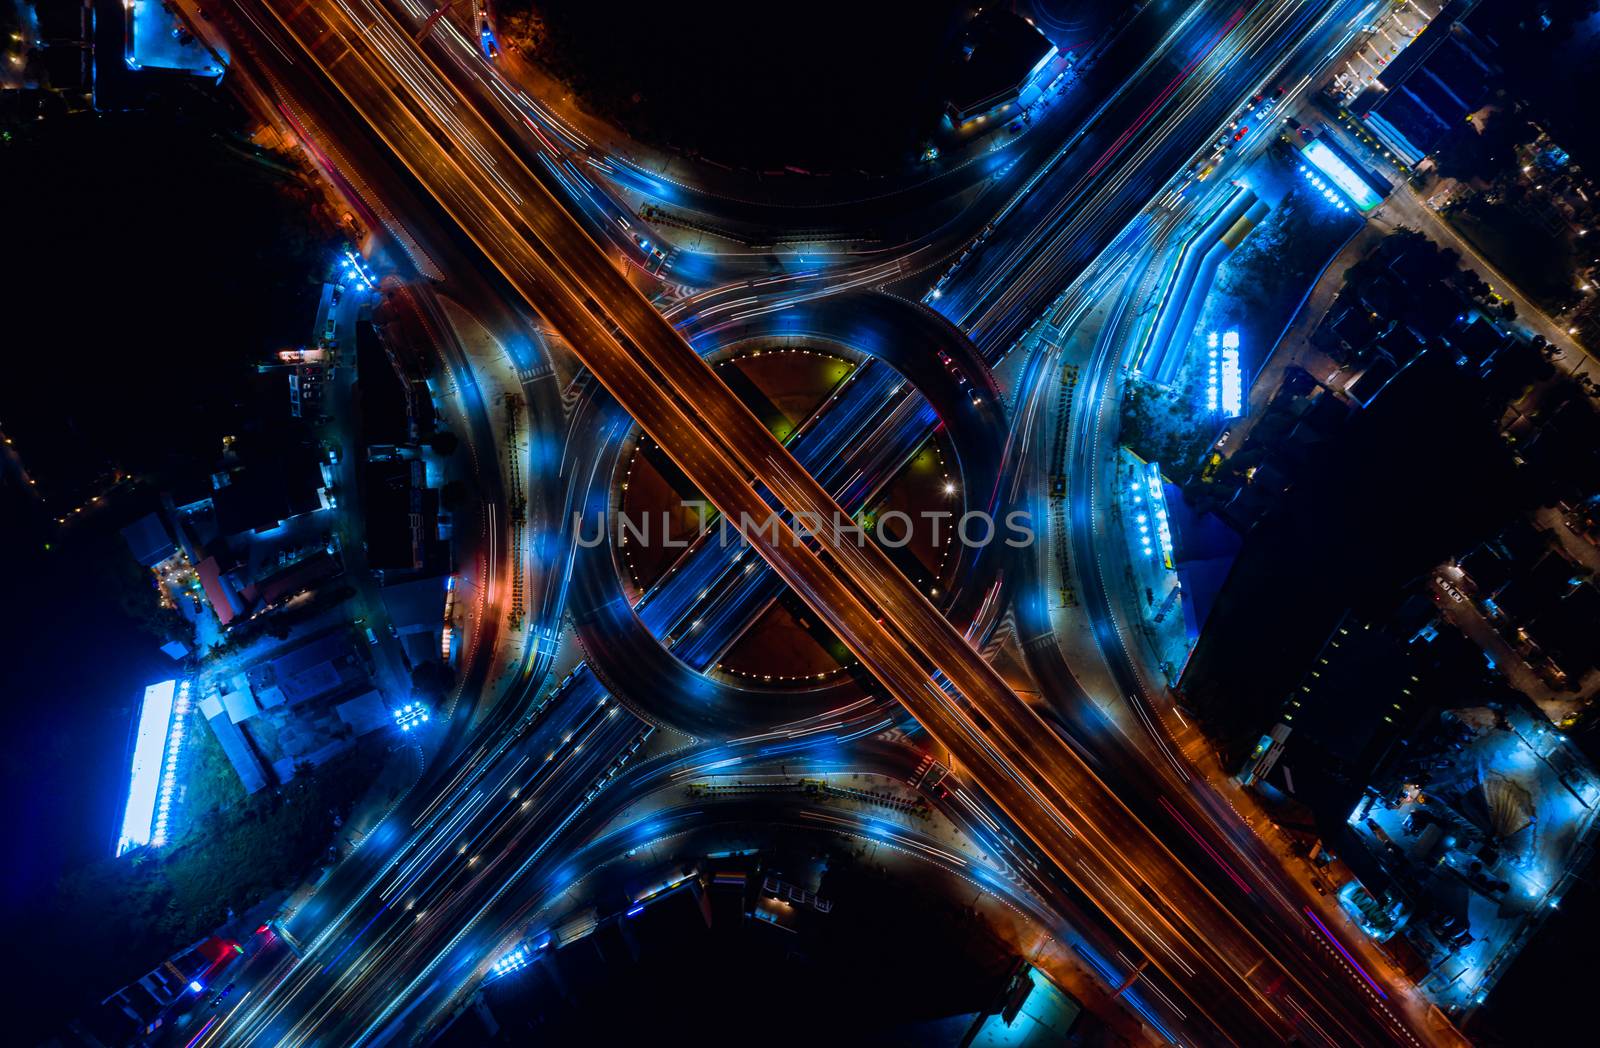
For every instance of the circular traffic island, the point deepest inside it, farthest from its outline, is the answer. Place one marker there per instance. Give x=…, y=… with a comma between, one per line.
x=893, y=412
x=742, y=624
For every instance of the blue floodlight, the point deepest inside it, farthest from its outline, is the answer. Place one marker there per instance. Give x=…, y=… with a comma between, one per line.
x=410, y=715
x=180, y=709
x=1341, y=174
x=144, y=787
x=517, y=958
x=1158, y=507
x=1213, y=379
x=1224, y=378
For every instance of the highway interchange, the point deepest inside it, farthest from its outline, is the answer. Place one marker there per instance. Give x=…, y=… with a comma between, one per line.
x=1097, y=833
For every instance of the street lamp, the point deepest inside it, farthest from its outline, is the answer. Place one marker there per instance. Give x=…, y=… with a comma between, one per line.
x=517, y=958
x=410, y=715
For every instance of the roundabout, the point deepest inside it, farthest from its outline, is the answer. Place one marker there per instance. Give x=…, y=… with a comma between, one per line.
x=891, y=409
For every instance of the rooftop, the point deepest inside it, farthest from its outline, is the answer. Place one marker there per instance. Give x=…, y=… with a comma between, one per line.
x=1002, y=50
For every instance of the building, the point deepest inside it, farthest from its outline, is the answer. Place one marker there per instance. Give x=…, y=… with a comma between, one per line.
x=155, y=749
x=315, y=670
x=1033, y=1013
x=306, y=383
x=303, y=706
x=401, y=513
x=1464, y=842
x=389, y=407
x=416, y=610
x=1404, y=303
x=297, y=578
x=251, y=537
x=1347, y=174
x=1430, y=87
x=1544, y=606
x=394, y=507
x=1374, y=379
x=149, y=540
x=1000, y=56
x=271, y=489
x=306, y=369
x=241, y=755
x=130, y=1015
x=1204, y=549
x=1374, y=680
x=221, y=590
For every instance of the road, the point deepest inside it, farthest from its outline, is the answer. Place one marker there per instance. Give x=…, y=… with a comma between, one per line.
x=1404, y=207
x=1122, y=160
x=1099, y=555
x=775, y=226
x=855, y=443
x=1011, y=753
x=497, y=812
x=1041, y=783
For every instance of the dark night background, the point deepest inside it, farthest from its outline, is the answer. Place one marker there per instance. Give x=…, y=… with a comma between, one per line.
x=159, y=260
x=155, y=258
x=834, y=86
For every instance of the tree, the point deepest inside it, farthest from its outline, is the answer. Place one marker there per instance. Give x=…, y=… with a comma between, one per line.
x=138, y=595
x=520, y=26
x=1469, y=153
x=150, y=903
x=1469, y=283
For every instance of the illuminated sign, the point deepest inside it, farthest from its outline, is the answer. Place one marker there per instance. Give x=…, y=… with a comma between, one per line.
x=155, y=717
x=1341, y=176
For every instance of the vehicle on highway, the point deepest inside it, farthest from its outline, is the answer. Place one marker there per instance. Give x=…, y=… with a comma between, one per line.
x=950, y=366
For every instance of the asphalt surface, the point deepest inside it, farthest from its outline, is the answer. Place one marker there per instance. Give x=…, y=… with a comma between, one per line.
x=1043, y=785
